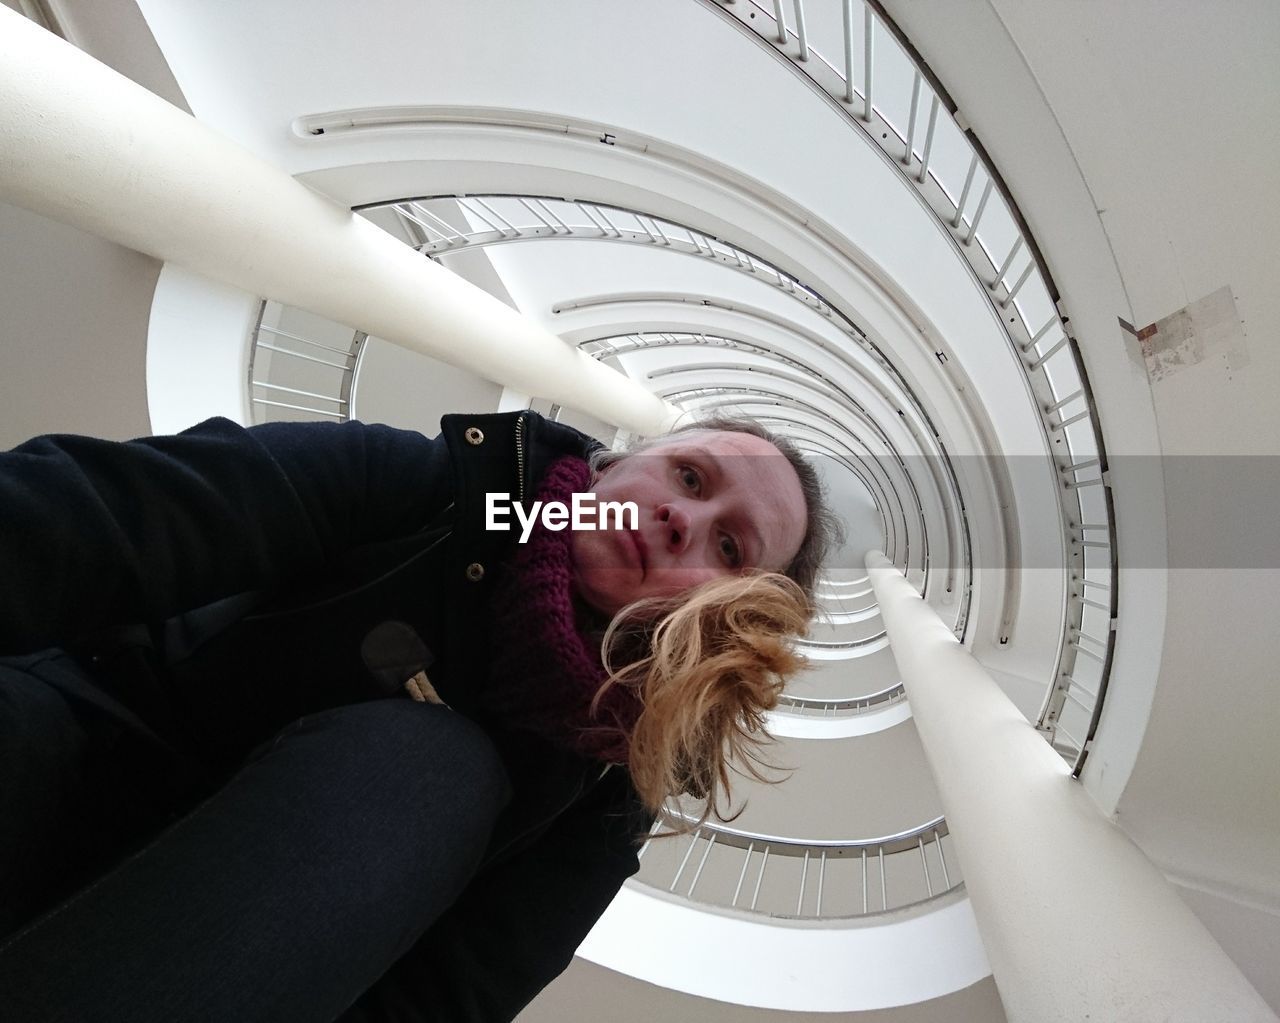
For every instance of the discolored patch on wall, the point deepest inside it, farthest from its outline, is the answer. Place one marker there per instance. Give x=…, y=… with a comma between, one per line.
x=1207, y=330
x=1133, y=347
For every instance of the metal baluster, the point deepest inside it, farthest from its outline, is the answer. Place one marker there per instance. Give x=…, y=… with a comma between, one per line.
x=801, y=35
x=928, y=140
x=1071, y=696
x=848, y=51
x=647, y=229
x=702, y=863
x=1008, y=261
x=604, y=231
x=1047, y=356
x=462, y=201
x=864, y=879
x=304, y=358
x=658, y=227
x=1074, y=741
x=982, y=207
x=693, y=840
x=450, y=233
x=804, y=876
x=764, y=862
x=1035, y=338
x=297, y=408
x=1017, y=285
x=426, y=229
x=964, y=192
x=1054, y=408
x=822, y=880
x=1075, y=644
x=294, y=390
x=1084, y=689
x=781, y=20
x=741, y=876
x=499, y=216
x=551, y=213
x=304, y=340
x=605, y=217
x=536, y=215
x=924, y=861
x=937, y=841
x=911, y=120
x=868, y=21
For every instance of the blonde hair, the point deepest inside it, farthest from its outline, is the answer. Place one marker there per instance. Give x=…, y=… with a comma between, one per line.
x=707, y=665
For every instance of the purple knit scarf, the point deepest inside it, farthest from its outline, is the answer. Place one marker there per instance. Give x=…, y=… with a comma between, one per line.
x=546, y=668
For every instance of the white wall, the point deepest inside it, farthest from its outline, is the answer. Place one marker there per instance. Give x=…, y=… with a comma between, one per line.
x=901, y=959
x=198, y=351
x=1139, y=139
x=1168, y=109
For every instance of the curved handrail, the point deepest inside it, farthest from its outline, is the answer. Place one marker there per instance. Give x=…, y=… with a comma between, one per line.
x=842, y=617
x=527, y=218
x=1016, y=281
x=507, y=219
x=532, y=218
x=844, y=706
x=863, y=865
x=729, y=835
x=851, y=644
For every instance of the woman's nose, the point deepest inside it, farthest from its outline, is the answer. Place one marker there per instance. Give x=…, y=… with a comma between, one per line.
x=677, y=525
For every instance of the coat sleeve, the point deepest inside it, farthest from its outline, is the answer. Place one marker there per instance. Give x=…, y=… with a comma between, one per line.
x=99, y=533
x=517, y=925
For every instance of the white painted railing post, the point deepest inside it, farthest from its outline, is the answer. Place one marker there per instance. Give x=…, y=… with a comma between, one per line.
x=1078, y=924
x=86, y=146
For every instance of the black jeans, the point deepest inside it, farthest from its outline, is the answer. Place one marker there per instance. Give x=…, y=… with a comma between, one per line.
x=282, y=897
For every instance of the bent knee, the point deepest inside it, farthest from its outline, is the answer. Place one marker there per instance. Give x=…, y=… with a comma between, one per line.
x=409, y=745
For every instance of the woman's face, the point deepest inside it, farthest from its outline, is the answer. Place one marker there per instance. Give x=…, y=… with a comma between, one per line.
x=710, y=504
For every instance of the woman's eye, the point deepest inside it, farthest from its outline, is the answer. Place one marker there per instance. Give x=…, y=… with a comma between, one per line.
x=690, y=479
x=731, y=551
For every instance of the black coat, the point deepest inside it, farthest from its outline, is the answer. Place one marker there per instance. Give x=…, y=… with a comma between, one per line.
x=217, y=584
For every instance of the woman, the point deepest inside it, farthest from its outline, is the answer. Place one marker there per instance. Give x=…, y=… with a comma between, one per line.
x=202, y=780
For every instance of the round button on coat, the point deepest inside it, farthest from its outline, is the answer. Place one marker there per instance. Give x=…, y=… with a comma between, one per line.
x=474, y=435
x=475, y=571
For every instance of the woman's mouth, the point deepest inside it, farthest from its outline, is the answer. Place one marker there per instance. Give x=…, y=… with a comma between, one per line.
x=641, y=548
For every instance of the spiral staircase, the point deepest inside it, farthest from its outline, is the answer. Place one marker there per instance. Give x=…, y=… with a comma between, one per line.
x=920, y=238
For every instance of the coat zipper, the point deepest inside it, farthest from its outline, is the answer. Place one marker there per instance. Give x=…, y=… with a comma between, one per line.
x=520, y=464
x=520, y=456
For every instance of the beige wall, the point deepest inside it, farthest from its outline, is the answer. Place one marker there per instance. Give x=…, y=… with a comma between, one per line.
x=75, y=311
x=585, y=985
x=75, y=308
